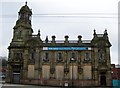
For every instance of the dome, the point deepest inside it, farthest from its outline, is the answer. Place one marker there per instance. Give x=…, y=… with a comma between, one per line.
x=25, y=9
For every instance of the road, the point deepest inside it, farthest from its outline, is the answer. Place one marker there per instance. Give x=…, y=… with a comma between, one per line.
x=33, y=86
x=23, y=86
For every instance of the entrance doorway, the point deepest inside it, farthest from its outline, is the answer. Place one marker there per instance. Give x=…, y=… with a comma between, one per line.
x=16, y=74
x=16, y=78
x=103, y=79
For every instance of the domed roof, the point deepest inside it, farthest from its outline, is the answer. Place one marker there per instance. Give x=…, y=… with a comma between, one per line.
x=25, y=9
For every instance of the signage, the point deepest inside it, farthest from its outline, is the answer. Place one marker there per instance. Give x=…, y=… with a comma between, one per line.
x=66, y=48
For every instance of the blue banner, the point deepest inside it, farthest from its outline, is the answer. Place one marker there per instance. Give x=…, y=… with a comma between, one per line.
x=66, y=48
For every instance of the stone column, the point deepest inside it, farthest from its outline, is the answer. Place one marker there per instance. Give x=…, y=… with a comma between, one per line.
x=109, y=76
x=37, y=64
x=94, y=58
x=25, y=64
x=66, y=65
x=96, y=63
x=40, y=64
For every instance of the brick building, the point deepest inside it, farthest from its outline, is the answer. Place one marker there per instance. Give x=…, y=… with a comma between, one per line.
x=116, y=72
x=115, y=75
x=57, y=63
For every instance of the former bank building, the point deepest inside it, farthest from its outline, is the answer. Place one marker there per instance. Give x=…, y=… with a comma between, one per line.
x=58, y=63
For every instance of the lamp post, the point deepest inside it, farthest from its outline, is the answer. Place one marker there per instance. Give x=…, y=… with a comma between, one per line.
x=72, y=59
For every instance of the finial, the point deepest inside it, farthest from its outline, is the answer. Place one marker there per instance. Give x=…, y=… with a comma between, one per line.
x=79, y=38
x=53, y=36
x=66, y=39
x=26, y=3
x=94, y=32
x=46, y=40
x=66, y=36
x=105, y=32
x=39, y=32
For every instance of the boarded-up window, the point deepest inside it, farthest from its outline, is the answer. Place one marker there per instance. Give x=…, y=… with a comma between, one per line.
x=46, y=56
x=59, y=72
x=46, y=71
x=87, y=56
x=72, y=55
x=73, y=72
x=87, y=72
x=59, y=56
x=33, y=54
x=30, y=71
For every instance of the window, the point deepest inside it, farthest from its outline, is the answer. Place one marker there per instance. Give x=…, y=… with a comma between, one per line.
x=87, y=56
x=20, y=33
x=30, y=17
x=73, y=55
x=22, y=15
x=45, y=56
x=101, y=55
x=32, y=53
x=18, y=55
x=27, y=32
x=59, y=56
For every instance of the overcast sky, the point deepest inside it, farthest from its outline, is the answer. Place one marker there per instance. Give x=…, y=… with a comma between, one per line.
x=63, y=17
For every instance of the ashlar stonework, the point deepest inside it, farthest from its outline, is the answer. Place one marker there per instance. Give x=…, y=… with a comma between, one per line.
x=57, y=63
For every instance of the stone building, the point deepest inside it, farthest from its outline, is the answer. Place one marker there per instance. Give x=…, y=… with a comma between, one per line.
x=57, y=63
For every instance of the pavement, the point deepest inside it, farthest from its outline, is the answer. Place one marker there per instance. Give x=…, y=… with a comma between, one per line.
x=22, y=86
x=4, y=85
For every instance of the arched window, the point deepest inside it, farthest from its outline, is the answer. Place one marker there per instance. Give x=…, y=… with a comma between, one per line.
x=30, y=17
x=33, y=55
x=101, y=55
x=87, y=56
x=46, y=56
x=59, y=56
x=20, y=32
x=21, y=16
x=73, y=55
x=18, y=55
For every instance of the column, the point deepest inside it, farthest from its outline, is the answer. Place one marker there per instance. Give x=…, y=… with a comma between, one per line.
x=25, y=65
x=37, y=64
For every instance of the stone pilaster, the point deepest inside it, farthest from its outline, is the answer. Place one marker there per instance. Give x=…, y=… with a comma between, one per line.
x=25, y=64
x=37, y=64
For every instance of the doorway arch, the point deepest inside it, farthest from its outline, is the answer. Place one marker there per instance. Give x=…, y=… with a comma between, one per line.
x=103, y=79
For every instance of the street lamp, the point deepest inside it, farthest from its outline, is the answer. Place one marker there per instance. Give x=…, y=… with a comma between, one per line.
x=72, y=59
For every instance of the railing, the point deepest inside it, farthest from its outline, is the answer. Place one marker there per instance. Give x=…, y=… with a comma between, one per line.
x=33, y=36
x=86, y=41
x=70, y=41
x=99, y=35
